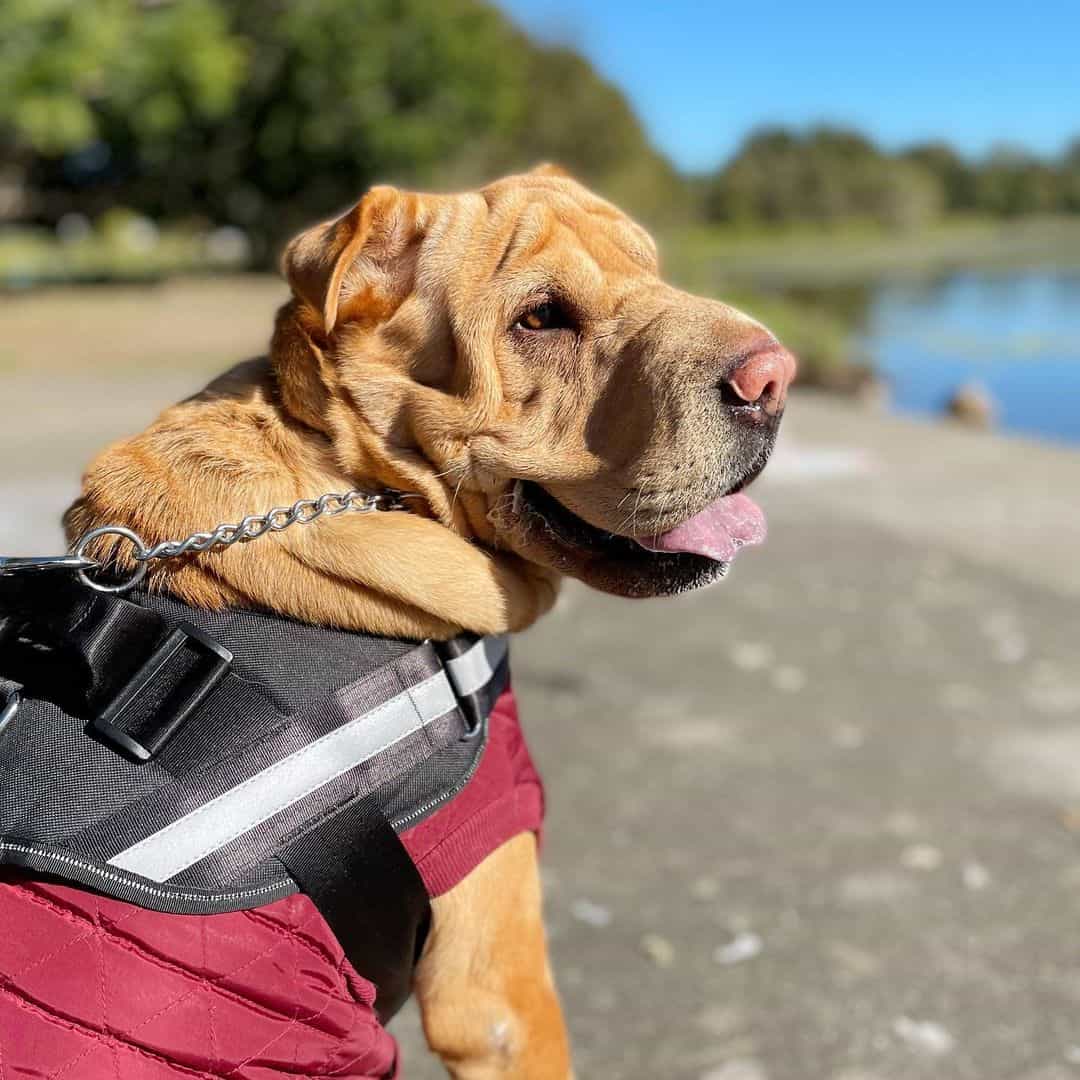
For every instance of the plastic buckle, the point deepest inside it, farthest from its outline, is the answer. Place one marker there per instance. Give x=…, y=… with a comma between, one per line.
x=140, y=730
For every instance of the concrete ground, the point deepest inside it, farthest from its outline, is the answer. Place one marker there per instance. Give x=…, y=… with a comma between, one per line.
x=820, y=822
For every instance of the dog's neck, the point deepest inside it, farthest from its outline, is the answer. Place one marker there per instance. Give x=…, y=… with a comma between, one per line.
x=255, y=439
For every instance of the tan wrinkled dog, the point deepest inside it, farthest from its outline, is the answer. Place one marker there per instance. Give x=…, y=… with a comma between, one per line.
x=511, y=356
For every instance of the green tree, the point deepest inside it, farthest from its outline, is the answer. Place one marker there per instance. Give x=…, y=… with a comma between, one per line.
x=125, y=77
x=270, y=113
x=1011, y=182
x=342, y=93
x=954, y=173
x=824, y=175
x=1070, y=177
x=761, y=183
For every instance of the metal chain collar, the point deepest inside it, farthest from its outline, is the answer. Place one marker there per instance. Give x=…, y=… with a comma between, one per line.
x=302, y=512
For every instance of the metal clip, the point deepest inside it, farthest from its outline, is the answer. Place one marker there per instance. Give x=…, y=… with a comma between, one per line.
x=34, y=563
x=9, y=709
x=392, y=499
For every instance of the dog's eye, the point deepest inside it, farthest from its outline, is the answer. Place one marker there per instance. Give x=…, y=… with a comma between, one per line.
x=546, y=316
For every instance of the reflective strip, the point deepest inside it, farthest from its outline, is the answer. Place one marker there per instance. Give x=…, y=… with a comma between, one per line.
x=473, y=669
x=201, y=832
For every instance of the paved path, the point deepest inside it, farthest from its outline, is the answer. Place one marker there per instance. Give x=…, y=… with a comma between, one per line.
x=821, y=822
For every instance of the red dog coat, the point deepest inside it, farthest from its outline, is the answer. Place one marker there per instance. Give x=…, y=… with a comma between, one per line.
x=92, y=988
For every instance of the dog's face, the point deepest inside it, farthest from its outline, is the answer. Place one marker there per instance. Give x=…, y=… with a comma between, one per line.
x=513, y=355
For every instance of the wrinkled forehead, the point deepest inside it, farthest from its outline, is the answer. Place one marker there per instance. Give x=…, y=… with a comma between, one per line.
x=530, y=231
x=538, y=217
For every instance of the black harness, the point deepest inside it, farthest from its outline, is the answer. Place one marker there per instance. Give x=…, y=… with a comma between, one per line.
x=198, y=762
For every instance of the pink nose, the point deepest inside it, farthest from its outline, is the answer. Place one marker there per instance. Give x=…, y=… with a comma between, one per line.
x=763, y=376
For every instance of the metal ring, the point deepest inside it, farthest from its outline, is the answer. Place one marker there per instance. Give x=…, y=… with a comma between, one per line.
x=140, y=556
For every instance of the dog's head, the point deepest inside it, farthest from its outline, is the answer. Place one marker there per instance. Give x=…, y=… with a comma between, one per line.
x=513, y=355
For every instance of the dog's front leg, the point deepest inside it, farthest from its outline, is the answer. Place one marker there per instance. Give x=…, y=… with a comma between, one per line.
x=488, y=1001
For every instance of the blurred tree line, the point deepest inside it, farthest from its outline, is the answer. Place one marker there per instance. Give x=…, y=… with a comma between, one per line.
x=267, y=114
x=832, y=175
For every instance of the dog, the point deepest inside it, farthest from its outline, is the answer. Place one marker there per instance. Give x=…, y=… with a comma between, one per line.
x=512, y=359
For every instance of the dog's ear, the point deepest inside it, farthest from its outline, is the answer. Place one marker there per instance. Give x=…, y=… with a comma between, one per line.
x=549, y=168
x=321, y=263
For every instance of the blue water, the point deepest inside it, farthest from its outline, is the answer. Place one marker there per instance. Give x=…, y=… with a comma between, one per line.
x=1018, y=334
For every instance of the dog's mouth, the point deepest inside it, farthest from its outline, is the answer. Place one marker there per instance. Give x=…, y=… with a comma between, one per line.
x=693, y=553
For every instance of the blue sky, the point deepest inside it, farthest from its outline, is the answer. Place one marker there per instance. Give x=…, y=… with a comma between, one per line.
x=703, y=74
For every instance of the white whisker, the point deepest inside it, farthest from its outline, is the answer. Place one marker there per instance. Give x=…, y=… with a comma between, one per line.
x=457, y=489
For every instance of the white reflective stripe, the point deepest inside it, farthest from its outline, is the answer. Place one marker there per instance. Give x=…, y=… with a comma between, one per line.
x=213, y=825
x=473, y=669
x=433, y=697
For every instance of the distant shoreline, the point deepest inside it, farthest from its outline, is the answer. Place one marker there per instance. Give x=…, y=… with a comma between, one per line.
x=811, y=284
x=854, y=254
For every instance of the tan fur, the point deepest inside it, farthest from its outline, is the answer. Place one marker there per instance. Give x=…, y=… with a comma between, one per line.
x=489, y=1006
x=397, y=364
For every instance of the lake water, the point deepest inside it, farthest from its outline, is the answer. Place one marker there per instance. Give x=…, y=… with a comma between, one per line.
x=1018, y=334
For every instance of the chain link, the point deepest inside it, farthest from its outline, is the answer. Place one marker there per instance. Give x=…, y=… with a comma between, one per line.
x=302, y=512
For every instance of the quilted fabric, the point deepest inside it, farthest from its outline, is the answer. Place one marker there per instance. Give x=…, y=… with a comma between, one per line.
x=95, y=989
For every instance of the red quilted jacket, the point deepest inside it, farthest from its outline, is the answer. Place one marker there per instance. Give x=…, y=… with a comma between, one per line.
x=95, y=989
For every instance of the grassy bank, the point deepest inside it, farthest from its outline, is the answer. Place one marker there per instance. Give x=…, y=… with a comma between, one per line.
x=819, y=256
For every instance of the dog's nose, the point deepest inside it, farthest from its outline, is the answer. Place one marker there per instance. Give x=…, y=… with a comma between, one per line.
x=762, y=378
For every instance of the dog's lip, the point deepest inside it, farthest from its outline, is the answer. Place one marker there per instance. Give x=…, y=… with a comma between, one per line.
x=749, y=476
x=617, y=564
x=522, y=488
x=571, y=530
x=728, y=522
x=724, y=526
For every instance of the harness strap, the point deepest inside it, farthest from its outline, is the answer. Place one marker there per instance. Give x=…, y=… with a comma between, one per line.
x=372, y=883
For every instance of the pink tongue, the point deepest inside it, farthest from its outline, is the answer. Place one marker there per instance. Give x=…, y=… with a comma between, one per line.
x=717, y=532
